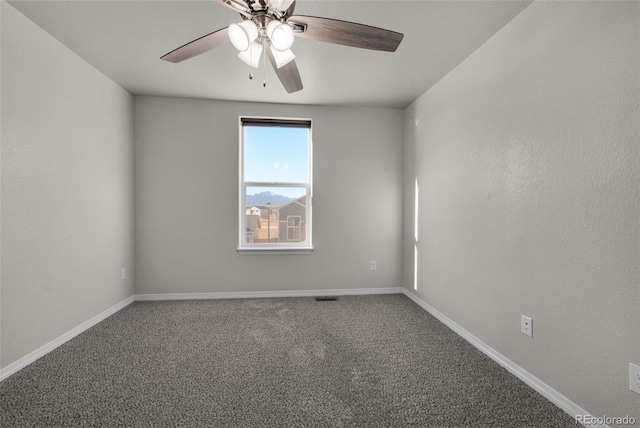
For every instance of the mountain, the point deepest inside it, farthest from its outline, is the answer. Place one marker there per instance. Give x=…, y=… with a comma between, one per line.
x=261, y=199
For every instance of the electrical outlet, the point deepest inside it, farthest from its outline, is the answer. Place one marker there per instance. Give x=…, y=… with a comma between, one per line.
x=123, y=274
x=634, y=378
x=526, y=325
x=373, y=265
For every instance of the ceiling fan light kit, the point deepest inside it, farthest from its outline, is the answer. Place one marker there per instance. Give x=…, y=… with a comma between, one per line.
x=249, y=39
x=270, y=26
x=282, y=58
x=280, y=35
x=251, y=56
x=243, y=34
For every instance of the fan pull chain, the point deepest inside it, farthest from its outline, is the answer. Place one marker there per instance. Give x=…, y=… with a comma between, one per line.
x=250, y=56
x=264, y=65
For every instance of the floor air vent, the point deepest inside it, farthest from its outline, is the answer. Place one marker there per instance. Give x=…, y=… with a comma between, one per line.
x=326, y=299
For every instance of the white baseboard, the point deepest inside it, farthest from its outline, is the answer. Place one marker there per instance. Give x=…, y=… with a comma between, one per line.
x=45, y=349
x=548, y=392
x=265, y=294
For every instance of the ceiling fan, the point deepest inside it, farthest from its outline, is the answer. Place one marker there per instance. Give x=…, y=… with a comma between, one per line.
x=269, y=26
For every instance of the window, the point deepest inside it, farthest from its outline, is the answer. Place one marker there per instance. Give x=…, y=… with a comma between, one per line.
x=294, y=232
x=275, y=185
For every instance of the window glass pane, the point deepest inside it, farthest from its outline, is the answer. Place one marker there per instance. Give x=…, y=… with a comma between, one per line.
x=293, y=221
x=276, y=154
x=270, y=210
x=294, y=228
x=275, y=183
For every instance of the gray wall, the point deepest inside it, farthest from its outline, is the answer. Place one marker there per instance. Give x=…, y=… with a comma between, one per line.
x=527, y=159
x=67, y=180
x=186, y=185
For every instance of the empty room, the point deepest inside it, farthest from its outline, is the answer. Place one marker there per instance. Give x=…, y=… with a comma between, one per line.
x=308, y=213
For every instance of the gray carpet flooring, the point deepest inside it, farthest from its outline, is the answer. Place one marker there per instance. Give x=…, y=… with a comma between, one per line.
x=361, y=361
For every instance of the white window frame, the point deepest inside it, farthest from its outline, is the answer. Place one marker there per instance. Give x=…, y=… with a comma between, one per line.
x=285, y=247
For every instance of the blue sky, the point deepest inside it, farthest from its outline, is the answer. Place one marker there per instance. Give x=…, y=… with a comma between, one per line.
x=275, y=154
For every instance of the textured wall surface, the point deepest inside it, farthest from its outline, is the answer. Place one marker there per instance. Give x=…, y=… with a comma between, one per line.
x=186, y=175
x=528, y=166
x=67, y=180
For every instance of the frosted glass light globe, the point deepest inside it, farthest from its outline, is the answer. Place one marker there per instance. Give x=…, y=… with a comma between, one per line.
x=281, y=35
x=242, y=34
x=252, y=55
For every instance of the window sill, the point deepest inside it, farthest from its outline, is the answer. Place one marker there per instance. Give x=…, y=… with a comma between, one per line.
x=263, y=251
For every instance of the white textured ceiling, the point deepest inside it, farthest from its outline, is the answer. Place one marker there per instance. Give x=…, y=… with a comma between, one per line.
x=125, y=39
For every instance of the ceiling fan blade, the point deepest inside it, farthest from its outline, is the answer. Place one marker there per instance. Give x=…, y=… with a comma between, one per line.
x=292, y=7
x=281, y=5
x=197, y=46
x=288, y=74
x=346, y=33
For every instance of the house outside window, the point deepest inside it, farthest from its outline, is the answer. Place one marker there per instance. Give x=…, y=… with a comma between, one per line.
x=275, y=185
